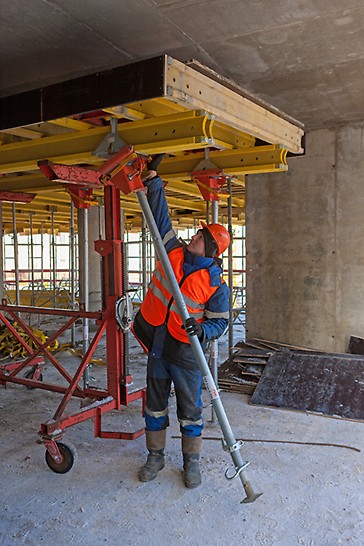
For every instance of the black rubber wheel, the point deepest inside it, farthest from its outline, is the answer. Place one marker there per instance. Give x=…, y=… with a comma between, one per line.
x=68, y=458
x=29, y=375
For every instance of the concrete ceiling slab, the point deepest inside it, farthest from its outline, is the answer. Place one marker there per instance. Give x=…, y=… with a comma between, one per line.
x=304, y=56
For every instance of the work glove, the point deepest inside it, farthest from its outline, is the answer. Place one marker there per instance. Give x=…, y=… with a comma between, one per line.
x=153, y=164
x=193, y=328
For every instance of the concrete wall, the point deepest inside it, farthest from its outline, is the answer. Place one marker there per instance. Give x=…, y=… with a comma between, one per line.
x=305, y=245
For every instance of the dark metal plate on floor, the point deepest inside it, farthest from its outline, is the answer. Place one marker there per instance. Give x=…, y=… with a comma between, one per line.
x=319, y=383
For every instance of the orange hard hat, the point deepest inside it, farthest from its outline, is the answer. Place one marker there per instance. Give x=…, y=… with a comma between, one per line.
x=219, y=234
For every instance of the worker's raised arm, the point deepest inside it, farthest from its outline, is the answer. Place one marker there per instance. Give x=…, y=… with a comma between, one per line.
x=159, y=207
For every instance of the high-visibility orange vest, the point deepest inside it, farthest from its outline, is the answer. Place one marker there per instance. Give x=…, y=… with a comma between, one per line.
x=159, y=306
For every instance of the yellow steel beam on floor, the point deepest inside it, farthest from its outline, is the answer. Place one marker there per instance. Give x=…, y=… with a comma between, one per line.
x=193, y=89
x=185, y=131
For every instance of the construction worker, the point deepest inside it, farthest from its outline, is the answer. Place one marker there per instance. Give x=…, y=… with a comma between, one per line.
x=159, y=327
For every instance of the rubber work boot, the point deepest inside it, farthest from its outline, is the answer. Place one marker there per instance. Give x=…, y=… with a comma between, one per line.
x=191, y=448
x=156, y=441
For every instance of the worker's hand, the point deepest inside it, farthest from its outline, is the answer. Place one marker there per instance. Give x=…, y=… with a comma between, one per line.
x=193, y=328
x=153, y=163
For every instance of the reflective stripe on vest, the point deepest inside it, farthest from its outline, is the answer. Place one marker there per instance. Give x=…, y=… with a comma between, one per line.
x=188, y=301
x=159, y=294
x=159, y=307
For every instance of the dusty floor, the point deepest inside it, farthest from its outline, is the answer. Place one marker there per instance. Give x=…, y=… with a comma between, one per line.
x=311, y=495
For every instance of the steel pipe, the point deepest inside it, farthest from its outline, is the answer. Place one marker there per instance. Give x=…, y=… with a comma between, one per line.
x=54, y=261
x=144, y=258
x=72, y=263
x=214, y=344
x=32, y=255
x=16, y=256
x=84, y=288
x=230, y=269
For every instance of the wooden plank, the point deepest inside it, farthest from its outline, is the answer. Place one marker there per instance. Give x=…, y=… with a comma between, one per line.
x=319, y=383
x=278, y=346
x=247, y=360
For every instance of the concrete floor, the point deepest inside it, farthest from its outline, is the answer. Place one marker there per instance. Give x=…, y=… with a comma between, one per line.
x=311, y=495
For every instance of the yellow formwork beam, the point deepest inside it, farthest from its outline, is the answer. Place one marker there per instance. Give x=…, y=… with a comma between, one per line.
x=189, y=130
x=228, y=137
x=54, y=198
x=177, y=132
x=39, y=210
x=70, y=123
x=157, y=107
x=24, y=132
x=35, y=183
x=125, y=112
x=260, y=159
x=38, y=227
x=185, y=188
x=173, y=203
x=186, y=204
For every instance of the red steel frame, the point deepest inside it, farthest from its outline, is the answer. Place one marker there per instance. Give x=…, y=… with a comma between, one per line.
x=117, y=391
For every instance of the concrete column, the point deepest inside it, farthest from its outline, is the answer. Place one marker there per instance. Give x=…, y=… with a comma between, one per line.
x=305, y=252
x=95, y=229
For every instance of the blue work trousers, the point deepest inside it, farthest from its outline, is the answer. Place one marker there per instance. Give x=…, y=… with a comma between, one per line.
x=170, y=360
